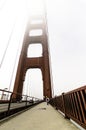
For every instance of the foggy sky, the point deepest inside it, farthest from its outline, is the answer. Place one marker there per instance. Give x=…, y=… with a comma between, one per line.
x=67, y=40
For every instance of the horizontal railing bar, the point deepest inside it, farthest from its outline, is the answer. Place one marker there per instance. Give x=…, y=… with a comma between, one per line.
x=75, y=90
x=17, y=93
x=72, y=104
x=10, y=105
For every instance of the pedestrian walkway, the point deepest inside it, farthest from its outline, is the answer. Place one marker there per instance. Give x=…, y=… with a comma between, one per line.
x=41, y=117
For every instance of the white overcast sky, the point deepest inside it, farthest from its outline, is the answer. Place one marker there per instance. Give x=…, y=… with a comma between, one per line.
x=67, y=40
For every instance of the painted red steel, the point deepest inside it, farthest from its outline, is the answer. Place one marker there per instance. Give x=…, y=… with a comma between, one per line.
x=41, y=62
x=73, y=105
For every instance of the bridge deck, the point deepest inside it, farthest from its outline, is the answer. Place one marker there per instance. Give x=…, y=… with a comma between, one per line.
x=39, y=118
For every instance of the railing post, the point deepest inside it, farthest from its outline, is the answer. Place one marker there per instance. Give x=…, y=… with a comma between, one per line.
x=64, y=108
x=32, y=101
x=26, y=100
x=9, y=104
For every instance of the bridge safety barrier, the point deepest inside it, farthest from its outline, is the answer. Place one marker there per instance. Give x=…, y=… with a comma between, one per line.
x=9, y=105
x=73, y=105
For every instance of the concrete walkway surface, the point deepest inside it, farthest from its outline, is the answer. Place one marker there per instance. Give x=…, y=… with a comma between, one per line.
x=40, y=117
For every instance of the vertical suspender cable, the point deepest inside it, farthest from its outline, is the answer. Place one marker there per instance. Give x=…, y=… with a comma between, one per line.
x=14, y=64
x=7, y=45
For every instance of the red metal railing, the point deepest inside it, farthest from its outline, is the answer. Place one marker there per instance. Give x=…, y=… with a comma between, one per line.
x=73, y=105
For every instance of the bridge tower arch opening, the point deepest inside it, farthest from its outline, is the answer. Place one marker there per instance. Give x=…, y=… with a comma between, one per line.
x=33, y=84
x=35, y=33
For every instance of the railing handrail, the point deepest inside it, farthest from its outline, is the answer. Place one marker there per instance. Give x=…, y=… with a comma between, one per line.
x=19, y=94
x=75, y=90
x=72, y=104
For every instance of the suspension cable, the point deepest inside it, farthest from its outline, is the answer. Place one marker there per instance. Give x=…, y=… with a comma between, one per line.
x=3, y=4
x=14, y=65
x=8, y=43
x=15, y=62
